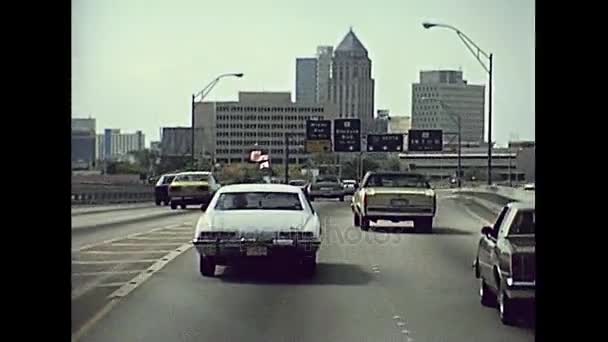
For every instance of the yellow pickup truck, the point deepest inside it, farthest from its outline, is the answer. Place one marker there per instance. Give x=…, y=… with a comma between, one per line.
x=192, y=188
x=396, y=197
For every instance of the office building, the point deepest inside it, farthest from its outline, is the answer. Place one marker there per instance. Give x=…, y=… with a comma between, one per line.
x=351, y=84
x=176, y=142
x=525, y=157
x=380, y=122
x=306, y=80
x=399, y=124
x=112, y=144
x=229, y=130
x=324, y=60
x=81, y=124
x=155, y=146
x=460, y=99
x=474, y=163
x=83, y=143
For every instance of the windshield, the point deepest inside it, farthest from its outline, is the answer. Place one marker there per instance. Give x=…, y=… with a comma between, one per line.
x=327, y=179
x=167, y=179
x=259, y=201
x=397, y=181
x=523, y=223
x=297, y=182
x=194, y=177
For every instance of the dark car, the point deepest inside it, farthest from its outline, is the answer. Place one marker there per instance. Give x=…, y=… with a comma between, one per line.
x=327, y=187
x=506, y=261
x=161, y=188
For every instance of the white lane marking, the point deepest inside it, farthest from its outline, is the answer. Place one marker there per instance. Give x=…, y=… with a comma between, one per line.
x=116, y=239
x=111, y=284
x=109, y=262
x=158, y=238
x=126, y=244
x=127, y=288
x=405, y=331
x=151, y=251
x=400, y=324
x=85, y=274
x=99, y=315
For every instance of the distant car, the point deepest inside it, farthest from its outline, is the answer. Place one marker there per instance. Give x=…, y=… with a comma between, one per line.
x=326, y=187
x=258, y=221
x=453, y=182
x=195, y=187
x=161, y=189
x=350, y=186
x=529, y=187
x=395, y=196
x=300, y=183
x=506, y=260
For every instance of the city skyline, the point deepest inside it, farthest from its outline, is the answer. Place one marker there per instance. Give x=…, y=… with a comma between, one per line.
x=127, y=80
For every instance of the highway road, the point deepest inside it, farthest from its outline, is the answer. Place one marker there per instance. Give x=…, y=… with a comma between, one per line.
x=381, y=285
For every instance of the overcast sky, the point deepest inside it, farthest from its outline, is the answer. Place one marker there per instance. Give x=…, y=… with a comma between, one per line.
x=135, y=63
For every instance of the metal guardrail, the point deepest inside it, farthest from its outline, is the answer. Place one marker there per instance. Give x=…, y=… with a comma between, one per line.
x=105, y=197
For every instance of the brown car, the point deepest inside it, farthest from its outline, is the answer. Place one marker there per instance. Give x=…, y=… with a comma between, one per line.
x=506, y=261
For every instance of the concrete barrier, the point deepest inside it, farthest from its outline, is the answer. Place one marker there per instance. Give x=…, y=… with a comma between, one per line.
x=108, y=197
x=499, y=195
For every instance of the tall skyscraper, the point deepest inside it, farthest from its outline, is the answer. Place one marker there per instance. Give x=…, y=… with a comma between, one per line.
x=324, y=58
x=461, y=99
x=113, y=144
x=351, y=84
x=306, y=80
x=83, y=143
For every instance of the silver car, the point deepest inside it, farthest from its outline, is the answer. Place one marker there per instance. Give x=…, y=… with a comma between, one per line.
x=260, y=221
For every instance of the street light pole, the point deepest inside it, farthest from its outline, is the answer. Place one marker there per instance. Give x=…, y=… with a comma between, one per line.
x=203, y=93
x=476, y=52
x=459, y=151
x=490, y=122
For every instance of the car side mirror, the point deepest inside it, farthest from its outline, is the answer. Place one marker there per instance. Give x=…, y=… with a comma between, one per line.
x=487, y=230
x=204, y=206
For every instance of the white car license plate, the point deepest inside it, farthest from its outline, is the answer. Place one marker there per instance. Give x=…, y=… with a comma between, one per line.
x=326, y=189
x=399, y=203
x=257, y=251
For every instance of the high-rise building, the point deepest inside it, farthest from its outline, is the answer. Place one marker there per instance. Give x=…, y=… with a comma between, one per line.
x=113, y=144
x=176, y=142
x=256, y=120
x=399, y=124
x=306, y=80
x=324, y=59
x=380, y=123
x=83, y=143
x=460, y=99
x=351, y=84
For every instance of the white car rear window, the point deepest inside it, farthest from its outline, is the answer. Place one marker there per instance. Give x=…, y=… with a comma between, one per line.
x=259, y=201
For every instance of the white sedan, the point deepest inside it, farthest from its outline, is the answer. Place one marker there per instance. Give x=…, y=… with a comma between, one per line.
x=258, y=221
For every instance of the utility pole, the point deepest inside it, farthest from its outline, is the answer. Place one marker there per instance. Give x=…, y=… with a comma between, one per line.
x=287, y=157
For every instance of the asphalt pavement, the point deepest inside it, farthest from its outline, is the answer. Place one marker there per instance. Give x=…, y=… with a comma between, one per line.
x=381, y=285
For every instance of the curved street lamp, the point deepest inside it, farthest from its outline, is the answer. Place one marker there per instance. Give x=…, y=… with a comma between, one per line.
x=477, y=52
x=203, y=93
